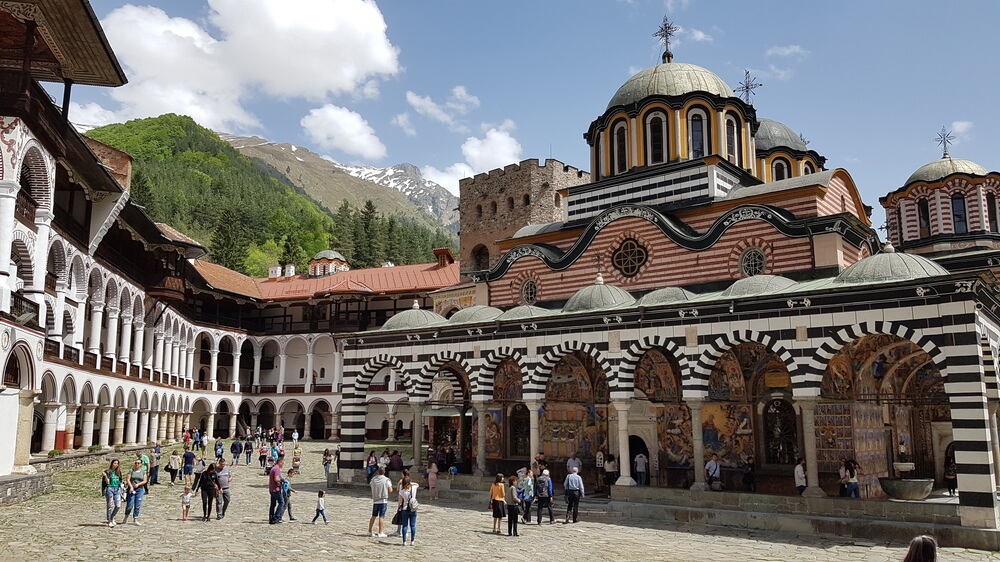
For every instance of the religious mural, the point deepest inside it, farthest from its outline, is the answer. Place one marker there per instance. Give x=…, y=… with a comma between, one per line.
x=745, y=371
x=494, y=435
x=727, y=430
x=879, y=365
x=656, y=378
x=507, y=382
x=673, y=425
x=575, y=417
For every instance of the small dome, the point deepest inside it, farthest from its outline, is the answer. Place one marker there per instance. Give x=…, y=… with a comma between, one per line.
x=413, y=319
x=670, y=79
x=477, y=313
x=598, y=297
x=533, y=229
x=758, y=285
x=890, y=265
x=773, y=134
x=666, y=295
x=524, y=312
x=330, y=255
x=944, y=167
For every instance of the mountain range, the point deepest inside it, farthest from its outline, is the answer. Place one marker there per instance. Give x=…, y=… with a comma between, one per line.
x=397, y=189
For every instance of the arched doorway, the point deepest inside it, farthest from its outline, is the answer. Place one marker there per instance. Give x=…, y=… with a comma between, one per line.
x=519, y=443
x=637, y=446
x=657, y=390
x=449, y=415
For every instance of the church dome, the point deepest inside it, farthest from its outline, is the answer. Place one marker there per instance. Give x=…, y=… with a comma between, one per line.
x=773, y=134
x=944, y=167
x=758, y=285
x=666, y=295
x=477, y=313
x=670, y=79
x=598, y=297
x=524, y=312
x=890, y=265
x=330, y=255
x=413, y=319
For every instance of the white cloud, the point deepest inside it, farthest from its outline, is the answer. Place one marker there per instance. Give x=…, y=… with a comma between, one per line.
x=338, y=128
x=772, y=72
x=786, y=51
x=308, y=49
x=87, y=116
x=458, y=104
x=403, y=122
x=699, y=36
x=497, y=148
x=425, y=106
x=461, y=101
x=961, y=127
x=674, y=5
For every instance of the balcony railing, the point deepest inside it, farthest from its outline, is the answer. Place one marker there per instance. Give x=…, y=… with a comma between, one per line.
x=224, y=387
x=202, y=385
x=90, y=359
x=268, y=389
x=24, y=311
x=51, y=349
x=106, y=363
x=50, y=281
x=24, y=208
x=295, y=389
x=121, y=368
x=323, y=388
x=71, y=354
x=378, y=387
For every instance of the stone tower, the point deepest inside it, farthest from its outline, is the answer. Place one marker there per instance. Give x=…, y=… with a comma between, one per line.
x=494, y=205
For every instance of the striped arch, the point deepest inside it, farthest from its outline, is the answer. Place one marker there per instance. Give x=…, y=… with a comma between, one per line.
x=482, y=383
x=706, y=362
x=831, y=345
x=375, y=365
x=423, y=382
x=534, y=388
x=621, y=383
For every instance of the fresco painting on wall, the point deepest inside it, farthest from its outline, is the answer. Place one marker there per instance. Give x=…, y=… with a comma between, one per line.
x=564, y=428
x=673, y=424
x=507, y=382
x=727, y=430
x=656, y=378
x=494, y=434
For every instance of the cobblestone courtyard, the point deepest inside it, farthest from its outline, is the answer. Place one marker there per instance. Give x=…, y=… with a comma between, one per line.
x=68, y=525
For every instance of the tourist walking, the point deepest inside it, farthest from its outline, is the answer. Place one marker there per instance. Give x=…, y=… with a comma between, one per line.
x=951, y=475
x=574, y=492
x=237, y=451
x=641, y=475
x=295, y=438
x=225, y=478
x=853, y=471
x=408, y=508
x=513, y=506
x=843, y=477
x=154, y=464
x=286, y=487
x=144, y=459
x=800, y=476
x=750, y=475
x=923, y=548
x=209, y=491
x=262, y=455
x=275, y=487
x=573, y=462
x=248, y=450
x=188, y=467
x=186, y=496
x=220, y=449
x=610, y=470
x=432, y=480
x=543, y=491
x=111, y=482
x=204, y=442
x=135, y=486
x=199, y=471
x=498, y=502
x=381, y=488
x=320, y=508
x=526, y=492
x=174, y=464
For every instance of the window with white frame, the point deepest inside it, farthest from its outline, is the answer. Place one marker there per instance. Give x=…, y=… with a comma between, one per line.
x=733, y=141
x=621, y=149
x=779, y=169
x=656, y=138
x=698, y=138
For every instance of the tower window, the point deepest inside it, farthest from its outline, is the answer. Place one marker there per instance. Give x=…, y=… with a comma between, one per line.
x=699, y=139
x=779, y=169
x=808, y=169
x=656, y=126
x=899, y=224
x=924, y=218
x=991, y=211
x=479, y=211
x=493, y=208
x=557, y=200
x=621, y=154
x=958, y=213
x=526, y=200
x=752, y=262
x=733, y=141
x=510, y=203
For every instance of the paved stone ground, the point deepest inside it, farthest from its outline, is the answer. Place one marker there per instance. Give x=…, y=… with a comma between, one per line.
x=68, y=525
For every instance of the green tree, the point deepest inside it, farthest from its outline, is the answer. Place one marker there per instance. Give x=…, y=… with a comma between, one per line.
x=260, y=258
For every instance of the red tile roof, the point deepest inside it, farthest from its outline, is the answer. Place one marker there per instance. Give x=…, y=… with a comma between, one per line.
x=176, y=235
x=376, y=280
x=226, y=279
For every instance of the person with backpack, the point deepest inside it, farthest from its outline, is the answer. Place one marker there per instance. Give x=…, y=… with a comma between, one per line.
x=236, y=449
x=220, y=449
x=111, y=489
x=543, y=491
x=408, y=506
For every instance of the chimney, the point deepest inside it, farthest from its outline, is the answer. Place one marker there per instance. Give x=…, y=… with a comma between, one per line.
x=444, y=257
x=290, y=270
x=274, y=271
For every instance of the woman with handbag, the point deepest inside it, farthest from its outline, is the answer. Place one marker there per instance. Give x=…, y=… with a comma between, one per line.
x=498, y=502
x=209, y=491
x=408, y=508
x=513, y=504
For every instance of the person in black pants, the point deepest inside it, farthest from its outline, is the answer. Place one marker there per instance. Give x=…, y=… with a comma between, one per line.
x=513, y=502
x=543, y=491
x=574, y=491
x=209, y=491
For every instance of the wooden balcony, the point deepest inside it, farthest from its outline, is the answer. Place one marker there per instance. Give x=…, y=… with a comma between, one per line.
x=373, y=387
x=71, y=354
x=91, y=360
x=267, y=389
x=295, y=389
x=168, y=287
x=24, y=209
x=323, y=388
x=106, y=363
x=23, y=311
x=51, y=349
x=224, y=387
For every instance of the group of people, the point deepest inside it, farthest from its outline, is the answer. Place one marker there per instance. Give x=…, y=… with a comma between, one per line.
x=388, y=461
x=513, y=497
x=406, y=505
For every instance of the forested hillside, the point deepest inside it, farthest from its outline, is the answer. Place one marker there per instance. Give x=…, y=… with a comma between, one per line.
x=186, y=176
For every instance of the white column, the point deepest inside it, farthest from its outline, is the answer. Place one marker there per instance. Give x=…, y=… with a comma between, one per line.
x=210, y=425
x=70, y=435
x=104, y=436
x=87, y=437
x=119, y=436
x=808, y=408
x=233, y=432
x=96, y=318
x=51, y=411
x=175, y=359
x=138, y=340
x=143, y=435
x=213, y=369
x=236, y=371
x=281, y=372
x=392, y=427
x=111, y=345
x=8, y=194
x=154, y=426
x=158, y=352
x=533, y=436
x=699, y=445
x=624, y=456
x=309, y=370
x=992, y=406
x=189, y=375
x=124, y=354
x=133, y=426
x=255, y=382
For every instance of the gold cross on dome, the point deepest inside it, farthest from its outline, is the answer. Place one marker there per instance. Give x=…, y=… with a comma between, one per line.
x=944, y=139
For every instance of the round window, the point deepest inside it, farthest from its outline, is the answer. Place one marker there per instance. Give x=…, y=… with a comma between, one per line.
x=752, y=262
x=529, y=291
x=629, y=258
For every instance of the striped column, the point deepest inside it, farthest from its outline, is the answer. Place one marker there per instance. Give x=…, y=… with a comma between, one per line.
x=990, y=378
x=966, y=388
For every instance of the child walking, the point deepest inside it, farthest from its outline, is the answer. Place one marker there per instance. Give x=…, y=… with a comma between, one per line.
x=320, y=509
x=186, y=502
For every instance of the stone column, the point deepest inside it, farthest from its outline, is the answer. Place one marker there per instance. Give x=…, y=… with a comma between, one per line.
x=534, y=439
x=281, y=372
x=993, y=407
x=87, y=439
x=418, y=433
x=309, y=371
x=104, y=439
x=255, y=381
x=481, y=439
x=158, y=353
x=213, y=369
x=143, y=437
x=189, y=375
x=175, y=360
x=70, y=438
x=132, y=427
x=210, y=425
x=8, y=195
x=234, y=429
x=148, y=349
x=171, y=426
x=306, y=428
x=96, y=319
x=22, y=445
x=624, y=455
x=111, y=345
x=124, y=354
x=51, y=412
x=808, y=407
x=137, y=343
x=392, y=427
x=699, y=445
x=159, y=431
x=119, y=436
x=335, y=425
x=236, y=371
x=187, y=421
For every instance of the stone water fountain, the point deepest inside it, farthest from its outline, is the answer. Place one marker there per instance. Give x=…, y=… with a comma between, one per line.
x=901, y=488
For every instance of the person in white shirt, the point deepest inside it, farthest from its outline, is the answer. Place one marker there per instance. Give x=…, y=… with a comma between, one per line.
x=713, y=470
x=321, y=508
x=800, y=476
x=641, y=476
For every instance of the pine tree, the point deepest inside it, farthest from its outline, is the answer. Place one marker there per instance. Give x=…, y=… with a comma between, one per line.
x=231, y=239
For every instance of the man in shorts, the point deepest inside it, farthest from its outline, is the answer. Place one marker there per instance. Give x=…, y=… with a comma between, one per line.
x=188, y=467
x=381, y=488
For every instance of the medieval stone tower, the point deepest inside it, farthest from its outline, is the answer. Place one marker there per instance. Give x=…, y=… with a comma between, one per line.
x=495, y=205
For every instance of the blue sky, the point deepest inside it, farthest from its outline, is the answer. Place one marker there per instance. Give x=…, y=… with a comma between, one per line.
x=458, y=87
